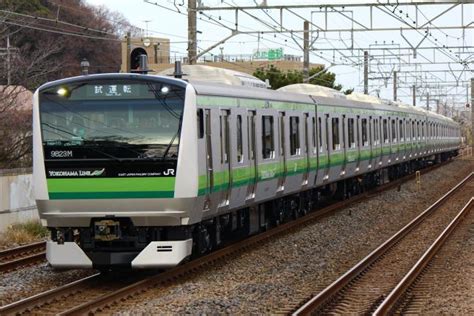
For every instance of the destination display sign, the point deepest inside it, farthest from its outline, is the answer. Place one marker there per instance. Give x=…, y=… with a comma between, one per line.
x=113, y=90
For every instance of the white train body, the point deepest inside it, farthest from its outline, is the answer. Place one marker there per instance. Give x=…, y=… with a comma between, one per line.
x=140, y=171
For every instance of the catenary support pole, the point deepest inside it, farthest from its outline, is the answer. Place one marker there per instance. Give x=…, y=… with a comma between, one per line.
x=395, y=86
x=366, y=72
x=192, y=37
x=306, y=52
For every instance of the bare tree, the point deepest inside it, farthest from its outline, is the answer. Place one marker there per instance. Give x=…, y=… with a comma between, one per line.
x=51, y=38
x=29, y=70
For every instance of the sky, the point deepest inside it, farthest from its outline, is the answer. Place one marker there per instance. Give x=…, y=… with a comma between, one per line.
x=173, y=25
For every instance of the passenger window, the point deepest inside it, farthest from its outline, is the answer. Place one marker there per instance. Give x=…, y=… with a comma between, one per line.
x=365, y=141
x=350, y=132
x=401, y=130
x=320, y=134
x=376, y=132
x=224, y=120
x=200, y=123
x=394, y=132
x=240, y=155
x=336, y=145
x=385, y=131
x=268, y=146
x=314, y=135
x=251, y=135
x=294, y=135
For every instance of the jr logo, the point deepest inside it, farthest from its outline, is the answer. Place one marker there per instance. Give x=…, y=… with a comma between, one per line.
x=169, y=172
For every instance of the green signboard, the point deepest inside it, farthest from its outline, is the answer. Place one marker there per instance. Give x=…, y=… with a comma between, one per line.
x=269, y=54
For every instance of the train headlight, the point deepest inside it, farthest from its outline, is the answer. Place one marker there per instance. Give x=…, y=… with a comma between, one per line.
x=165, y=90
x=64, y=92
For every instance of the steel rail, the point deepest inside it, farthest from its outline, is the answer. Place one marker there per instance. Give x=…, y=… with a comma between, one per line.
x=21, y=256
x=391, y=301
x=29, y=303
x=318, y=301
x=177, y=272
x=22, y=249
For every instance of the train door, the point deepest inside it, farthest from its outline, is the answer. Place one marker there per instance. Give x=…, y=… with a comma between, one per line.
x=325, y=152
x=282, y=151
x=402, y=138
x=252, y=155
x=380, y=142
x=209, y=160
x=225, y=177
x=313, y=149
x=358, y=141
x=268, y=162
x=337, y=158
x=306, y=148
x=386, y=151
x=350, y=144
x=394, y=142
x=371, y=142
x=344, y=143
x=322, y=121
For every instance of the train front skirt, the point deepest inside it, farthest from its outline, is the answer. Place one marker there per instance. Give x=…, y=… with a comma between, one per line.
x=158, y=254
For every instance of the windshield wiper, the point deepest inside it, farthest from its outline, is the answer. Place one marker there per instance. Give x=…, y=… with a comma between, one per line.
x=172, y=139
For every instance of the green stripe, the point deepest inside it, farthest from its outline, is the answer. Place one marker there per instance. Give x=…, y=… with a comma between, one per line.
x=111, y=188
x=110, y=195
x=135, y=184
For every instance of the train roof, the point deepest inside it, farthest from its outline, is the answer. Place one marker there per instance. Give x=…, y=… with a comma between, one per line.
x=364, y=98
x=302, y=94
x=312, y=89
x=217, y=75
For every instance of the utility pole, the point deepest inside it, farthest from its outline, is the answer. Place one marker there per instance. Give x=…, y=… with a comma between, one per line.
x=306, y=52
x=437, y=106
x=366, y=72
x=427, y=101
x=9, y=61
x=192, y=37
x=127, y=56
x=395, y=85
x=414, y=95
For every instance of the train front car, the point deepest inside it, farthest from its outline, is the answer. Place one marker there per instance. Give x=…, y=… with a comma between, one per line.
x=115, y=170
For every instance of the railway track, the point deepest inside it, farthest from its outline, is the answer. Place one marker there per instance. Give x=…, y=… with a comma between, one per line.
x=101, y=299
x=363, y=288
x=12, y=259
x=404, y=294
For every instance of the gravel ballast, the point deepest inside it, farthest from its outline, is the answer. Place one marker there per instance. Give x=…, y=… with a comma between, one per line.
x=32, y=280
x=264, y=279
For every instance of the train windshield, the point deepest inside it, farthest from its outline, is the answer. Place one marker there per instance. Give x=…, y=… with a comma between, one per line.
x=119, y=119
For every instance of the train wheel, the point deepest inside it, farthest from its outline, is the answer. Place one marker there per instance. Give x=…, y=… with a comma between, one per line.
x=202, y=242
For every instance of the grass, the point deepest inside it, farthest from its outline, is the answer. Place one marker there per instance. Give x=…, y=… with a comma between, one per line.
x=24, y=233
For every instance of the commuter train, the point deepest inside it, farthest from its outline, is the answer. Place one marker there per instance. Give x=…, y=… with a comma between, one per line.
x=144, y=171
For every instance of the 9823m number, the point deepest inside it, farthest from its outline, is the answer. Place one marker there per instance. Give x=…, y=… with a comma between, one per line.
x=61, y=154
